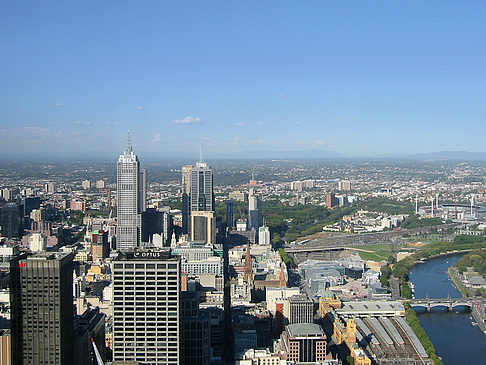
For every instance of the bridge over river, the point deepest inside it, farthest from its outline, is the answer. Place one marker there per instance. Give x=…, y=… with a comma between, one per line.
x=448, y=303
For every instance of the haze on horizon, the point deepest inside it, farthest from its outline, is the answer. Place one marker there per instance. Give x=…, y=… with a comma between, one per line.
x=360, y=78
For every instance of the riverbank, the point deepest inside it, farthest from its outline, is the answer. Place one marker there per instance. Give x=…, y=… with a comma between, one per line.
x=452, y=273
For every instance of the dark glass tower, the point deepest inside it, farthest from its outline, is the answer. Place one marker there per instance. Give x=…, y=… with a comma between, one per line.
x=42, y=311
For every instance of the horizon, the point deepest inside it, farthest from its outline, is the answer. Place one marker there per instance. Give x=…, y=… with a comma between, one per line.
x=367, y=80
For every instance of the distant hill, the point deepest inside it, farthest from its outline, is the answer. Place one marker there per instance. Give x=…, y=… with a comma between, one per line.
x=449, y=155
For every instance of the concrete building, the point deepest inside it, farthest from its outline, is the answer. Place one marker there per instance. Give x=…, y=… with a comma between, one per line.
x=146, y=305
x=37, y=242
x=42, y=311
x=201, y=194
x=86, y=184
x=344, y=185
x=230, y=213
x=254, y=210
x=100, y=184
x=264, y=236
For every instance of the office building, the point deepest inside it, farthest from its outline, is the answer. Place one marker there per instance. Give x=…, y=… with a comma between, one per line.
x=303, y=342
x=201, y=194
x=11, y=220
x=230, y=213
x=29, y=204
x=195, y=331
x=186, y=198
x=254, y=210
x=42, y=311
x=131, y=200
x=203, y=227
x=146, y=299
x=301, y=309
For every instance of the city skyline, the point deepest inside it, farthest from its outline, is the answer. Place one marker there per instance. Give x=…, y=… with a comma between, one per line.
x=359, y=79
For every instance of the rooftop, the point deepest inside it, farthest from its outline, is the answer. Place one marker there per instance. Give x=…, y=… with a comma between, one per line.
x=304, y=330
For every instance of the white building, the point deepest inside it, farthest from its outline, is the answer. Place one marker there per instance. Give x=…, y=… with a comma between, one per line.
x=131, y=199
x=264, y=235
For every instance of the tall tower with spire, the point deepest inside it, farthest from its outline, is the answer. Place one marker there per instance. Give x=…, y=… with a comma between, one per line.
x=200, y=195
x=131, y=199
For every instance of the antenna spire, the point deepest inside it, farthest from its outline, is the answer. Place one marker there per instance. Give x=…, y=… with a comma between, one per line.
x=201, y=151
x=129, y=143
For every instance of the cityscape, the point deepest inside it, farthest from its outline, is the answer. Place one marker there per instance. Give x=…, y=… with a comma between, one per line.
x=216, y=183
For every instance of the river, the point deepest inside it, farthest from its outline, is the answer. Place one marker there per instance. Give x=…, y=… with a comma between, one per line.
x=455, y=339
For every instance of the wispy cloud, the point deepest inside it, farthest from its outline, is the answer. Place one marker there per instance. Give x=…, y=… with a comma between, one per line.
x=77, y=133
x=298, y=123
x=284, y=96
x=82, y=122
x=240, y=124
x=112, y=123
x=140, y=108
x=188, y=120
x=316, y=143
x=156, y=138
x=58, y=105
x=260, y=123
x=36, y=129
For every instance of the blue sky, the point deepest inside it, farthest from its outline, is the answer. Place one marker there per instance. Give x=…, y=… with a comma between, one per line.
x=362, y=78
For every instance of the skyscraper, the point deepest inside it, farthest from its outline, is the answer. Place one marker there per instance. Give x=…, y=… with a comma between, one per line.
x=202, y=197
x=131, y=199
x=254, y=210
x=42, y=311
x=186, y=198
x=146, y=289
x=197, y=191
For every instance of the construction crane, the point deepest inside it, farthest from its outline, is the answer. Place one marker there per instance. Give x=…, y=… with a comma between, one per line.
x=97, y=353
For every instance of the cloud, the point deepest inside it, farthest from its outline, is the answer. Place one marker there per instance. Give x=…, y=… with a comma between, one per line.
x=81, y=122
x=140, y=108
x=283, y=96
x=188, y=120
x=36, y=129
x=260, y=123
x=112, y=123
x=58, y=105
x=298, y=123
x=156, y=138
x=240, y=124
x=77, y=133
x=316, y=143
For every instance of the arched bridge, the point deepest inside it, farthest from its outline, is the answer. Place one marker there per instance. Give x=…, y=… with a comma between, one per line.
x=449, y=303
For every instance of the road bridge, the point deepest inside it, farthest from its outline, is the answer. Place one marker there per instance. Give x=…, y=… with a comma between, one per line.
x=448, y=303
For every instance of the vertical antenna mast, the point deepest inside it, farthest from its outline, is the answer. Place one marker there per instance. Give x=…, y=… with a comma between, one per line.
x=129, y=143
x=201, y=151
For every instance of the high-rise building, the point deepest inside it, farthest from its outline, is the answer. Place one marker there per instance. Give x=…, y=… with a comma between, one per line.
x=344, y=185
x=100, y=184
x=202, y=196
x=42, y=311
x=146, y=318
x=264, y=235
x=230, y=213
x=86, y=184
x=254, y=210
x=301, y=309
x=131, y=199
x=203, y=226
x=11, y=220
x=331, y=200
x=186, y=198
